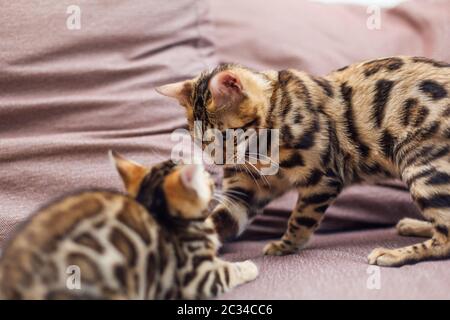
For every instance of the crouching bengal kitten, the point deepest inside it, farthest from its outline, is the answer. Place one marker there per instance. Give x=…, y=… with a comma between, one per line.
x=153, y=243
x=386, y=118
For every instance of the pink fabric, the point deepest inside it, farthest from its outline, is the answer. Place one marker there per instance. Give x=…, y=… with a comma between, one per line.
x=319, y=38
x=69, y=96
x=334, y=266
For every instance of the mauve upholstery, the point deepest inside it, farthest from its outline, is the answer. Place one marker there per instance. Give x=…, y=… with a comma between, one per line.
x=319, y=38
x=334, y=266
x=67, y=97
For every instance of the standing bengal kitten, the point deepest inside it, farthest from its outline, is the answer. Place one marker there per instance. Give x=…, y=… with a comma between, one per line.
x=153, y=243
x=386, y=118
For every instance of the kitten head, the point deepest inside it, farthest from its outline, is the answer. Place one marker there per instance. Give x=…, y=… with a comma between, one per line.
x=179, y=191
x=228, y=97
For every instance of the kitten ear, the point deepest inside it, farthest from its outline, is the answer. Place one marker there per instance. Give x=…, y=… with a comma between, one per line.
x=181, y=91
x=131, y=172
x=226, y=87
x=192, y=178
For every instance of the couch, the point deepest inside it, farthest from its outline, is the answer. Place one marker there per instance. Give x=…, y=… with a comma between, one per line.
x=70, y=94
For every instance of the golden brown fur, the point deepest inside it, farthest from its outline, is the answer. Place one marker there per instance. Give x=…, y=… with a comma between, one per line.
x=153, y=243
x=385, y=118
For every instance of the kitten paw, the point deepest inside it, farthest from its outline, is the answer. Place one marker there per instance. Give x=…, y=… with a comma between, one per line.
x=278, y=248
x=415, y=228
x=248, y=270
x=403, y=227
x=386, y=257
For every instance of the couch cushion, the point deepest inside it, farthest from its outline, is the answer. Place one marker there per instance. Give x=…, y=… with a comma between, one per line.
x=67, y=96
x=319, y=38
x=334, y=266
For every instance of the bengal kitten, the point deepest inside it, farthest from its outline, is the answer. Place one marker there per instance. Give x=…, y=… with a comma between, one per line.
x=386, y=118
x=153, y=243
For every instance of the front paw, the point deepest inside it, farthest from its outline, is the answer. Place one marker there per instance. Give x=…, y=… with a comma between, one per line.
x=386, y=257
x=248, y=270
x=278, y=248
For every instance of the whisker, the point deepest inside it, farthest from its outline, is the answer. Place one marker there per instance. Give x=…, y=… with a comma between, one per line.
x=222, y=202
x=233, y=199
x=235, y=192
x=251, y=174
x=265, y=157
x=261, y=175
x=230, y=202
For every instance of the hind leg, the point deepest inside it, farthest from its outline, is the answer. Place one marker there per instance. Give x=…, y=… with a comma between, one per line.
x=428, y=178
x=414, y=228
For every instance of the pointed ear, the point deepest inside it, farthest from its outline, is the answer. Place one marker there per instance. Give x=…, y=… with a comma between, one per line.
x=181, y=91
x=226, y=88
x=191, y=177
x=131, y=172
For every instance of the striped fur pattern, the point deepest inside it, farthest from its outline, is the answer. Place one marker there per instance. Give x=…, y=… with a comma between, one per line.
x=386, y=118
x=153, y=243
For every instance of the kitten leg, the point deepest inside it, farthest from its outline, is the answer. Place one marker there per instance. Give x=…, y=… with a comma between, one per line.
x=245, y=196
x=306, y=218
x=415, y=228
x=221, y=277
x=436, y=248
x=242, y=272
x=430, y=188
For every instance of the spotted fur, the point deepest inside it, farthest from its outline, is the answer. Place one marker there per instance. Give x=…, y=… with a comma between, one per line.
x=385, y=118
x=154, y=244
